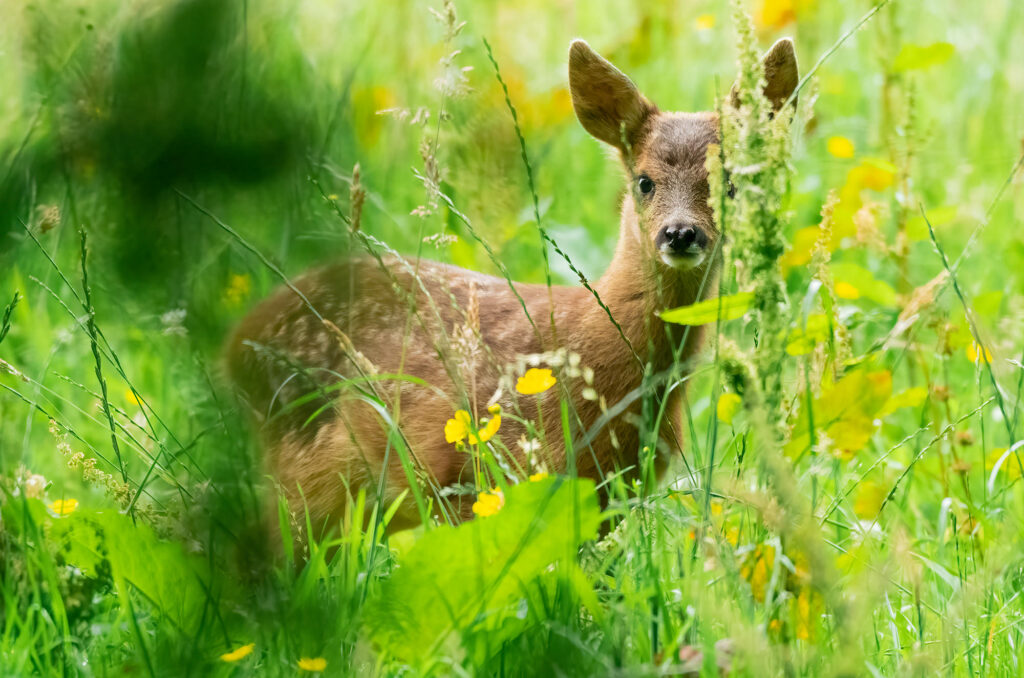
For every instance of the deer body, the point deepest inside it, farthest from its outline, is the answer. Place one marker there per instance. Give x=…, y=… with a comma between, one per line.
x=401, y=317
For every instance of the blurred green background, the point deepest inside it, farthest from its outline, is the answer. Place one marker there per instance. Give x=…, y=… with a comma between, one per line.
x=119, y=118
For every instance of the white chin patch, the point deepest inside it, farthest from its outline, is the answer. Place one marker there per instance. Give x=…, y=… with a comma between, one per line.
x=682, y=262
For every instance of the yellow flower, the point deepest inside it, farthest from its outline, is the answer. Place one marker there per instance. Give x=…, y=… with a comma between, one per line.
x=537, y=477
x=131, y=398
x=705, y=22
x=1009, y=466
x=728, y=406
x=757, y=569
x=977, y=353
x=777, y=13
x=314, y=664
x=840, y=147
x=487, y=432
x=877, y=175
x=240, y=653
x=64, y=507
x=461, y=427
x=457, y=429
x=489, y=503
x=239, y=286
x=869, y=499
x=845, y=290
x=535, y=381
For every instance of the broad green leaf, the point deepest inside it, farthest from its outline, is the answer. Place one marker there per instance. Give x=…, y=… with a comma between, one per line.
x=915, y=57
x=709, y=311
x=456, y=578
x=803, y=339
x=171, y=580
x=860, y=278
x=912, y=397
x=845, y=412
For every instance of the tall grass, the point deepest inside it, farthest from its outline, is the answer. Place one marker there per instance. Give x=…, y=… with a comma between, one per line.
x=847, y=496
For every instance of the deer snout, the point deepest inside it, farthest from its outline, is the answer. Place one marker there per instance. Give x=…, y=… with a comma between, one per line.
x=682, y=238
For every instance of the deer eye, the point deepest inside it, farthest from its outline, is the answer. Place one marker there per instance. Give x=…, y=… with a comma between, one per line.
x=646, y=185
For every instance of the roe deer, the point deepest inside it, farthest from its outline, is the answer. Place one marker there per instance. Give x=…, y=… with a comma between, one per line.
x=301, y=360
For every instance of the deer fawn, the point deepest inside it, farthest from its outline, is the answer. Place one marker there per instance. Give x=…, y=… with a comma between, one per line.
x=311, y=360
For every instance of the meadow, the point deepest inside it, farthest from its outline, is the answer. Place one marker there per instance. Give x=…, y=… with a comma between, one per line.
x=848, y=501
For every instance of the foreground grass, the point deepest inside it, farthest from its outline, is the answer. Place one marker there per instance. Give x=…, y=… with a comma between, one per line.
x=878, y=534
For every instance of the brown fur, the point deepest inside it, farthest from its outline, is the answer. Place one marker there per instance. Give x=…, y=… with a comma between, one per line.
x=320, y=461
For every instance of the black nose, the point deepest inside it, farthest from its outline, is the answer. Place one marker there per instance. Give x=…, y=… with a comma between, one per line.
x=681, y=237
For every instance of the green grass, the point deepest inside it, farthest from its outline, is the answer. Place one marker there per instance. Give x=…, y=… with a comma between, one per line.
x=863, y=519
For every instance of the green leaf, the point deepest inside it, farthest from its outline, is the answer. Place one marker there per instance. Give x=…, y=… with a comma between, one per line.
x=709, y=311
x=869, y=287
x=912, y=397
x=169, y=579
x=456, y=578
x=916, y=57
x=803, y=339
x=845, y=411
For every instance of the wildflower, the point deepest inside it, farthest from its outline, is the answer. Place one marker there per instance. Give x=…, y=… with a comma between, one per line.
x=1009, y=465
x=131, y=398
x=806, y=611
x=728, y=406
x=845, y=290
x=238, y=653
x=35, y=486
x=869, y=499
x=49, y=217
x=705, y=22
x=757, y=569
x=64, y=507
x=976, y=352
x=488, y=503
x=461, y=427
x=877, y=175
x=239, y=286
x=535, y=381
x=313, y=664
x=174, y=322
x=456, y=429
x=840, y=147
x=529, y=446
x=537, y=477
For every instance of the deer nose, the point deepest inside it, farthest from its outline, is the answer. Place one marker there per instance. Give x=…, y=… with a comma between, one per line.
x=683, y=237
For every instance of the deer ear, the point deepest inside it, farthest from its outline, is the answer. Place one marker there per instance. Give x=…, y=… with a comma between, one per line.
x=780, y=74
x=604, y=98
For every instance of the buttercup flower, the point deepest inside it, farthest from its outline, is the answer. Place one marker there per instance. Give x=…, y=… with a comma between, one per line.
x=976, y=353
x=313, y=664
x=728, y=405
x=457, y=429
x=705, y=22
x=488, y=503
x=535, y=381
x=537, y=477
x=460, y=427
x=238, y=654
x=64, y=507
x=840, y=147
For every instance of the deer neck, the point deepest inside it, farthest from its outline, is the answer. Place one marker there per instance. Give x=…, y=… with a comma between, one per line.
x=637, y=285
